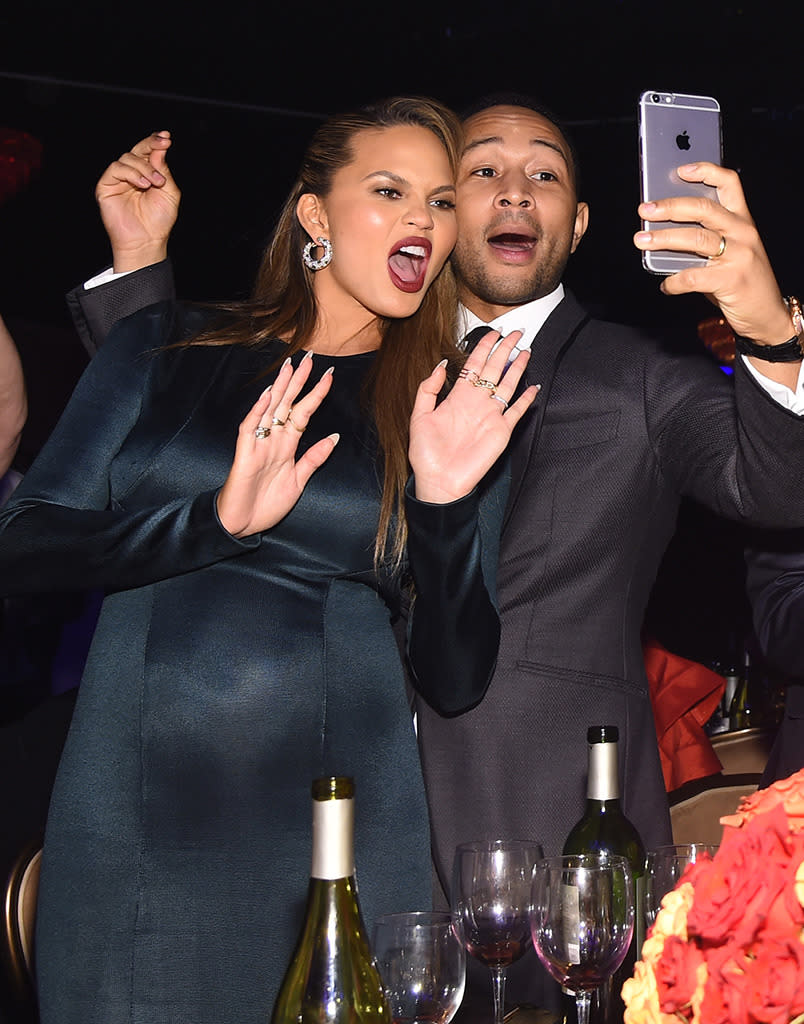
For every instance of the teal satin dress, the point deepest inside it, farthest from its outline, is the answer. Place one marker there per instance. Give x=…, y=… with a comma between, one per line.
x=223, y=677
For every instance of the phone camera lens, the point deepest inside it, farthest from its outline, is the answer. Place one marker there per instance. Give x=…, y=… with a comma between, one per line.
x=656, y=98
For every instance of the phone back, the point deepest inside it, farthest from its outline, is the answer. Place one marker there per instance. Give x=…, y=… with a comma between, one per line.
x=675, y=129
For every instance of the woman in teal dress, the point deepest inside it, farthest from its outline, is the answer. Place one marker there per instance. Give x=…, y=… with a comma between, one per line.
x=255, y=545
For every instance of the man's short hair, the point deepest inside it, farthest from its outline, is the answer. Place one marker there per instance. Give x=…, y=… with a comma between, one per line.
x=518, y=99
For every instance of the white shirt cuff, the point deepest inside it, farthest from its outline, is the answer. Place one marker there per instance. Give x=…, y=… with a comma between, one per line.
x=103, y=277
x=792, y=400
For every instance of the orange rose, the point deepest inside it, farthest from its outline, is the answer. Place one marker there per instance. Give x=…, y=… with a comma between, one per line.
x=788, y=793
x=724, y=999
x=677, y=976
x=735, y=892
x=774, y=991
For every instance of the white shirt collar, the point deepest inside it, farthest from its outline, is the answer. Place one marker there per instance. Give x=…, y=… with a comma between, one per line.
x=529, y=318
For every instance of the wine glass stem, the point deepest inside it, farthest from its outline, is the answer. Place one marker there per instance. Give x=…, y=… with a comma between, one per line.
x=498, y=987
x=583, y=1001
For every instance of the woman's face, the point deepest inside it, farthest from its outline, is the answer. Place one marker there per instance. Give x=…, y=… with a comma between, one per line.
x=390, y=216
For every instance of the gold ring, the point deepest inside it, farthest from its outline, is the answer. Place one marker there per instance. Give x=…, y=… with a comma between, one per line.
x=289, y=420
x=276, y=422
x=262, y=432
x=721, y=248
x=481, y=382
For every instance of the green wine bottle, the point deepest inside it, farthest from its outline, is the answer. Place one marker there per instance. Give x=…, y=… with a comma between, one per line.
x=332, y=977
x=603, y=826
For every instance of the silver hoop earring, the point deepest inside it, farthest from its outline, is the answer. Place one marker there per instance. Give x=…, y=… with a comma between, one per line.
x=326, y=255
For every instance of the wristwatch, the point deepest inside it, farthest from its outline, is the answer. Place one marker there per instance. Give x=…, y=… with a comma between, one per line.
x=789, y=351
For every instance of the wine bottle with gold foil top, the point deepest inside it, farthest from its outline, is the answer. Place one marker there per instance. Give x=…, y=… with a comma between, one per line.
x=332, y=977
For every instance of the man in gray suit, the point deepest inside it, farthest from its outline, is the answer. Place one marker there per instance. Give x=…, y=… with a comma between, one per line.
x=622, y=429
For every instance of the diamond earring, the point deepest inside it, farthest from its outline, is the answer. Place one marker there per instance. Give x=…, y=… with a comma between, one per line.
x=326, y=255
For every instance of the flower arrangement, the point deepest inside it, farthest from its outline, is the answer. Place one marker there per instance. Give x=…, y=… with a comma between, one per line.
x=727, y=946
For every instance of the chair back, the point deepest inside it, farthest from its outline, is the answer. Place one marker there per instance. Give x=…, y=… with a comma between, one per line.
x=19, y=912
x=697, y=807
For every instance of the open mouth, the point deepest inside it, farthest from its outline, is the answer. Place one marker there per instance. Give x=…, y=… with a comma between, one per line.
x=513, y=245
x=407, y=264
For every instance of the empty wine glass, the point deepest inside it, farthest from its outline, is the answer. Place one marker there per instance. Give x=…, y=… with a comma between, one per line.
x=490, y=900
x=422, y=965
x=582, y=920
x=666, y=865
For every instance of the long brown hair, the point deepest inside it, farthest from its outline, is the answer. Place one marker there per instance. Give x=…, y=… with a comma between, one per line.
x=282, y=302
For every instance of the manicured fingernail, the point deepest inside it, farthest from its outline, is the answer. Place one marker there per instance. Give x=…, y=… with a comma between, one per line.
x=649, y=207
x=442, y=363
x=282, y=367
x=643, y=237
x=308, y=355
x=334, y=438
x=267, y=391
x=538, y=388
x=329, y=370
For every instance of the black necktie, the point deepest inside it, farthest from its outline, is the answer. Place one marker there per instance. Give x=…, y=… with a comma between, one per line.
x=474, y=336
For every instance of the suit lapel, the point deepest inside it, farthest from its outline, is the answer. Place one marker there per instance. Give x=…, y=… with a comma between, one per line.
x=549, y=347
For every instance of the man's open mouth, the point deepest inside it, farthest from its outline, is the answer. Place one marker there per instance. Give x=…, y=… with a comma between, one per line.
x=511, y=241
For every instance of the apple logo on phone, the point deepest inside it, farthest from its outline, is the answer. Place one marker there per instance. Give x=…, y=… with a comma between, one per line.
x=683, y=141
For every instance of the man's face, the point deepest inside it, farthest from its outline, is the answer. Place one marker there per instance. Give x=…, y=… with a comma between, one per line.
x=518, y=216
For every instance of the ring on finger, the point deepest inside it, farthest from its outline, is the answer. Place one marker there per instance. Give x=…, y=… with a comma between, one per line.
x=502, y=401
x=469, y=375
x=276, y=422
x=481, y=382
x=721, y=249
x=295, y=426
x=262, y=432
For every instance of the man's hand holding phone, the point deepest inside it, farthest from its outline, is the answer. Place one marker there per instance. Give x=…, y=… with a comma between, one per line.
x=737, y=275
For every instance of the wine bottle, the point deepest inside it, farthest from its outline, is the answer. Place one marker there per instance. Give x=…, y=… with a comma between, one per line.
x=741, y=708
x=604, y=828
x=332, y=977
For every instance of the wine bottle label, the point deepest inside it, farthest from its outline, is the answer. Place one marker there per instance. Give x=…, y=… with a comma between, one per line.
x=333, y=839
x=603, y=782
x=571, y=922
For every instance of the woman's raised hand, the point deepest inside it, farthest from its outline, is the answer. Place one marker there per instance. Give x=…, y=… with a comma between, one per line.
x=453, y=444
x=139, y=203
x=266, y=478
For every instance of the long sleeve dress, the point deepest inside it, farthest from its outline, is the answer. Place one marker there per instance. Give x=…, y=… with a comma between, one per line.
x=223, y=677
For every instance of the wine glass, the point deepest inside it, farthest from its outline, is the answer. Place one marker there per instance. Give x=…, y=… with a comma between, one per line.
x=582, y=920
x=422, y=965
x=490, y=901
x=666, y=865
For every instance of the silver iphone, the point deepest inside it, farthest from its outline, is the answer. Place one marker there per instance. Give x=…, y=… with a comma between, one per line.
x=675, y=129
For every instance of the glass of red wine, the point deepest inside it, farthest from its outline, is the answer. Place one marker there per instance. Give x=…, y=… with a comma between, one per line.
x=582, y=920
x=491, y=892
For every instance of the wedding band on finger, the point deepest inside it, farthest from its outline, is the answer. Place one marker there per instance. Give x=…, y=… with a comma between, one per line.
x=262, y=432
x=721, y=249
x=295, y=426
x=502, y=401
